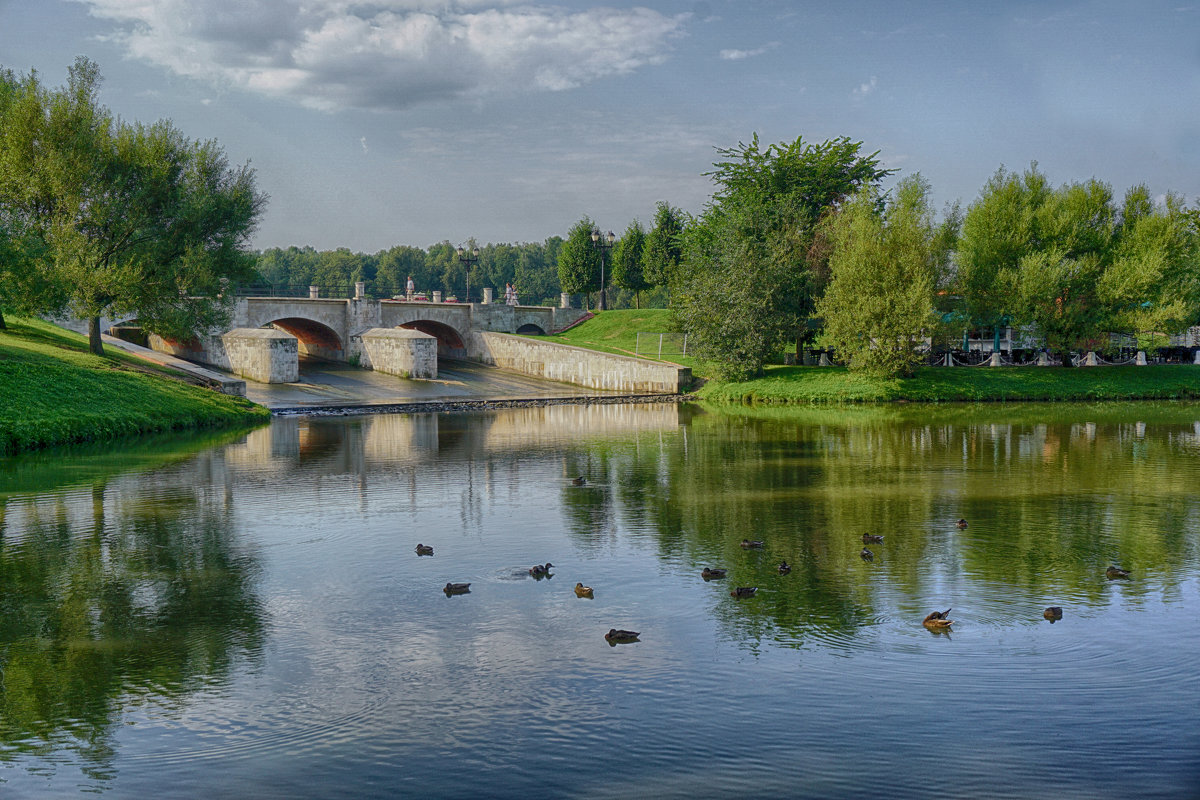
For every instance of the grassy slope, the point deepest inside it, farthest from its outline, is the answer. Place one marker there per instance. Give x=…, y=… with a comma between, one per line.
x=616, y=332
x=55, y=392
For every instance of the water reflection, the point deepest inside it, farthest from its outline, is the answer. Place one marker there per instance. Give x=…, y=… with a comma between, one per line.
x=258, y=604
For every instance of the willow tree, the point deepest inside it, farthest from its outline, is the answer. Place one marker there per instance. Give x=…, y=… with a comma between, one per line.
x=884, y=266
x=133, y=220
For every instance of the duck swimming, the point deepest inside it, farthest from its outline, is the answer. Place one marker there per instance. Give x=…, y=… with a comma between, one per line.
x=457, y=588
x=424, y=550
x=871, y=538
x=743, y=591
x=937, y=620
x=579, y=481
x=867, y=555
x=709, y=574
x=615, y=636
x=584, y=591
x=539, y=570
x=784, y=568
x=962, y=523
x=1052, y=613
x=1116, y=572
x=748, y=543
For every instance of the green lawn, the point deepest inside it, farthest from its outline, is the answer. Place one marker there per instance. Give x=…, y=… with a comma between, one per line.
x=959, y=384
x=55, y=392
x=616, y=332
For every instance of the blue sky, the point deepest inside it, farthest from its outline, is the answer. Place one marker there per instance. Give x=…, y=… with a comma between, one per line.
x=380, y=122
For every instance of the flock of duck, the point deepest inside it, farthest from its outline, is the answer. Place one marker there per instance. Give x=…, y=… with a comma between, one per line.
x=934, y=621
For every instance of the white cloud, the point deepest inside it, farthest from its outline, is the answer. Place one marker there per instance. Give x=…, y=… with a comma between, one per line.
x=865, y=89
x=387, y=54
x=363, y=142
x=738, y=55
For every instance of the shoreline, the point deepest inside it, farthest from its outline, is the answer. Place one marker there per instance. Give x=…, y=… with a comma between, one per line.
x=451, y=406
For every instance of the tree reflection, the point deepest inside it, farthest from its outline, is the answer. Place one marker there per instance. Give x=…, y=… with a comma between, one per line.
x=1051, y=501
x=144, y=594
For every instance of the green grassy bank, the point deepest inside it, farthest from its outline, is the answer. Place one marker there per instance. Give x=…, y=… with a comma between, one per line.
x=55, y=392
x=962, y=384
x=616, y=332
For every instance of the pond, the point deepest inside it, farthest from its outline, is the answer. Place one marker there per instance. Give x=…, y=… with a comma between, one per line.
x=246, y=615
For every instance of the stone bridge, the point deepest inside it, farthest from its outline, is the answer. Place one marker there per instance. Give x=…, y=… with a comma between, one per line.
x=267, y=335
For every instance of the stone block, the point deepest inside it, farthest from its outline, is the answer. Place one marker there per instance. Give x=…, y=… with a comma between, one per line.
x=400, y=351
x=265, y=355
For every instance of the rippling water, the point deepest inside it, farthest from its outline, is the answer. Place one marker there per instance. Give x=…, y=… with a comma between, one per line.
x=247, y=616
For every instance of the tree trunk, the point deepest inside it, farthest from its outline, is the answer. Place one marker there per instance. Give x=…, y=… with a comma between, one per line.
x=1066, y=358
x=637, y=301
x=3, y=327
x=94, y=343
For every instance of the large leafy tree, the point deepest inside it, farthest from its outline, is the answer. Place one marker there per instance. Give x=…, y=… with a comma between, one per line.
x=132, y=219
x=627, y=262
x=579, y=260
x=884, y=267
x=748, y=279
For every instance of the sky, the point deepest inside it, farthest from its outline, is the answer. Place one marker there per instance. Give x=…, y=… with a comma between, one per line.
x=373, y=123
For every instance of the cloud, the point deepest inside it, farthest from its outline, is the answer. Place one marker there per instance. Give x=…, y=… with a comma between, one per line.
x=738, y=55
x=865, y=89
x=388, y=54
x=363, y=142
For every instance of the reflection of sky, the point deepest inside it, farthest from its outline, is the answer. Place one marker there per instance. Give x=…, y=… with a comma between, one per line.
x=372, y=680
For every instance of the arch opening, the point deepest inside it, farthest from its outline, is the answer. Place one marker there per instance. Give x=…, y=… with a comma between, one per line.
x=530, y=329
x=314, y=340
x=450, y=343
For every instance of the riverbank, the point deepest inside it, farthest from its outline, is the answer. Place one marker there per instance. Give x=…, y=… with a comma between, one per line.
x=830, y=385
x=56, y=392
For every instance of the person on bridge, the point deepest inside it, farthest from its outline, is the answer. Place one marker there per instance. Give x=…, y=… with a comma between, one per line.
x=409, y=288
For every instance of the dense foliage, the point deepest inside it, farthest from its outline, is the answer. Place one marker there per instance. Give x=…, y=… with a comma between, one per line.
x=111, y=218
x=750, y=277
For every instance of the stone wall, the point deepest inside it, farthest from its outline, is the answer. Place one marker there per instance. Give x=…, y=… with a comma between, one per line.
x=577, y=365
x=399, y=351
x=262, y=354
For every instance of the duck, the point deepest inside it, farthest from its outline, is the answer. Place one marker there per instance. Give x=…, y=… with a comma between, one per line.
x=1116, y=572
x=584, y=591
x=749, y=543
x=457, y=588
x=1052, y=613
x=708, y=574
x=867, y=555
x=784, y=568
x=540, y=571
x=579, y=481
x=938, y=619
x=962, y=523
x=871, y=538
x=424, y=550
x=614, y=636
x=744, y=591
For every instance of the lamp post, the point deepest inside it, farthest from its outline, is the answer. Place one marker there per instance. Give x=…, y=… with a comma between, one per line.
x=468, y=261
x=602, y=243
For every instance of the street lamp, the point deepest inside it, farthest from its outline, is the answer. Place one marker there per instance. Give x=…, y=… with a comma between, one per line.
x=467, y=261
x=602, y=244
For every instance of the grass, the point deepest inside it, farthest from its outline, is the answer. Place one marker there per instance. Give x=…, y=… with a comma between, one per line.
x=56, y=392
x=962, y=384
x=616, y=332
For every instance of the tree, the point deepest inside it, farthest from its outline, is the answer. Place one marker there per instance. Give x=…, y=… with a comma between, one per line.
x=884, y=267
x=663, y=248
x=135, y=220
x=579, y=260
x=627, y=262
x=746, y=283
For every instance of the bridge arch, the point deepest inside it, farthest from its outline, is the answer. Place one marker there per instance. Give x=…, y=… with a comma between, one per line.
x=315, y=339
x=532, y=329
x=450, y=342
